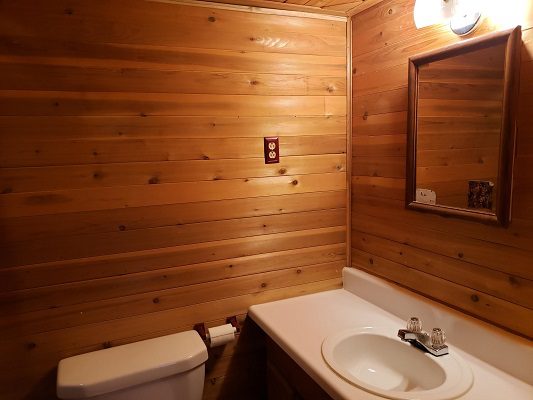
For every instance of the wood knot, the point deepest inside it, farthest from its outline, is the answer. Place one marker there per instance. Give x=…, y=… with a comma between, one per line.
x=107, y=345
x=263, y=285
x=254, y=82
x=211, y=19
x=31, y=345
x=154, y=180
x=365, y=115
x=142, y=114
x=474, y=298
x=282, y=171
x=338, y=167
x=230, y=266
x=513, y=281
x=330, y=89
x=264, y=226
x=95, y=153
x=460, y=255
x=98, y=175
x=294, y=182
x=7, y=190
x=389, y=11
x=298, y=271
x=204, y=157
x=56, y=104
x=354, y=70
x=156, y=300
x=252, y=39
x=69, y=11
x=122, y=228
x=371, y=261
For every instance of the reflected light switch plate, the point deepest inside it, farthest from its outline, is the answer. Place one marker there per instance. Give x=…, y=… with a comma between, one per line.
x=271, y=150
x=426, y=196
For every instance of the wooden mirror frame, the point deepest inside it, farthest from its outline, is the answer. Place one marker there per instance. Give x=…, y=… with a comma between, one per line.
x=513, y=40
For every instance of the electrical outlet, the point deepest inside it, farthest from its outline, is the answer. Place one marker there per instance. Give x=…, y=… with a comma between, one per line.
x=271, y=145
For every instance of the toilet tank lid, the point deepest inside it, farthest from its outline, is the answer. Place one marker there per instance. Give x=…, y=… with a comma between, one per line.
x=116, y=368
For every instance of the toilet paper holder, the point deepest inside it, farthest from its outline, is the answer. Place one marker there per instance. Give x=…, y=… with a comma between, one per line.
x=202, y=329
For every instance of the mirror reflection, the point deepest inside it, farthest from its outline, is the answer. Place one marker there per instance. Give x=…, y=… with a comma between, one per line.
x=462, y=102
x=459, y=121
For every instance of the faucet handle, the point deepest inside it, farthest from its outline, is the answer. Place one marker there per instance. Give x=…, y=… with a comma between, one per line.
x=414, y=324
x=437, y=338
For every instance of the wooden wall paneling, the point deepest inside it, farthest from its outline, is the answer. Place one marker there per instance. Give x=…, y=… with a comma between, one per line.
x=19, y=180
x=109, y=55
x=467, y=265
x=30, y=252
x=47, y=297
x=103, y=151
x=63, y=201
x=518, y=235
x=135, y=201
x=226, y=29
x=471, y=301
x=144, y=303
x=105, y=221
x=468, y=274
x=57, y=272
x=96, y=79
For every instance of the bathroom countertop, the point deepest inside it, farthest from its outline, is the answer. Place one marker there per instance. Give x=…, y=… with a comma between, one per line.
x=299, y=325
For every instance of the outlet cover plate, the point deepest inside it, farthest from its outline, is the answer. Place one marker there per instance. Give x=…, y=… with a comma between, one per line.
x=271, y=146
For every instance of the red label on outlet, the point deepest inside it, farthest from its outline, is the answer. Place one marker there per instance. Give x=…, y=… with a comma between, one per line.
x=271, y=150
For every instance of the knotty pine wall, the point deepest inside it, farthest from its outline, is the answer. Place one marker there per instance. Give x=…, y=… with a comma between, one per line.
x=135, y=201
x=486, y=271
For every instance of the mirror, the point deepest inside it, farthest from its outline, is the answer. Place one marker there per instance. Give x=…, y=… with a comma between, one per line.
x=461, y=134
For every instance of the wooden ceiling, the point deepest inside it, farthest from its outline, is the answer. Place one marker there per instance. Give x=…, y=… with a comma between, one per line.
x=331, y=7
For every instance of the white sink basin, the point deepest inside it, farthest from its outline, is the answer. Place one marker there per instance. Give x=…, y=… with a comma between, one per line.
x=379, y=362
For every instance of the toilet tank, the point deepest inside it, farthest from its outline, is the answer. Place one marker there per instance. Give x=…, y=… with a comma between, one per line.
x=165, y=368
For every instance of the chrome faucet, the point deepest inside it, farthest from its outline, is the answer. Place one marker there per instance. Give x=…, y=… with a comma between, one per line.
x=432, y=343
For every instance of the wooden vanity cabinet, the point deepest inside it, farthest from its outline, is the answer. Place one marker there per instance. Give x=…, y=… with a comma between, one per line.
x=287, y=380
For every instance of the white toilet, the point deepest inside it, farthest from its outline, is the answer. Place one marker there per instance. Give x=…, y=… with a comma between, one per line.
x=165, y=368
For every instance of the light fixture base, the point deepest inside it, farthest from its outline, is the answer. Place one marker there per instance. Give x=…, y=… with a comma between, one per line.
x=464, y=23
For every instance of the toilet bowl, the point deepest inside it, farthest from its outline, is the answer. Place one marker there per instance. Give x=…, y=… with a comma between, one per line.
x=165, y=368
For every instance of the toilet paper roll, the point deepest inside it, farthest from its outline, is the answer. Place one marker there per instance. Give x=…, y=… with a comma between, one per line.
x=220, y=335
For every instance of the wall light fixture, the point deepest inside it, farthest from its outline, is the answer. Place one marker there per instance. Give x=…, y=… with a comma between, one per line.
x=462, y=15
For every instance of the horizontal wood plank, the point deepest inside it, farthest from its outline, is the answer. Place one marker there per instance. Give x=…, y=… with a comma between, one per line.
x=482, y=305
x=44, y=103
x=103, y=151
x=115, y=220
x=80, y=79
x=145, y=303
x=17, y=180
x=198, y=26
x=58, y=272
x=64, y=201
x=137, y=127
x=54, y=296
x=70, y=247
